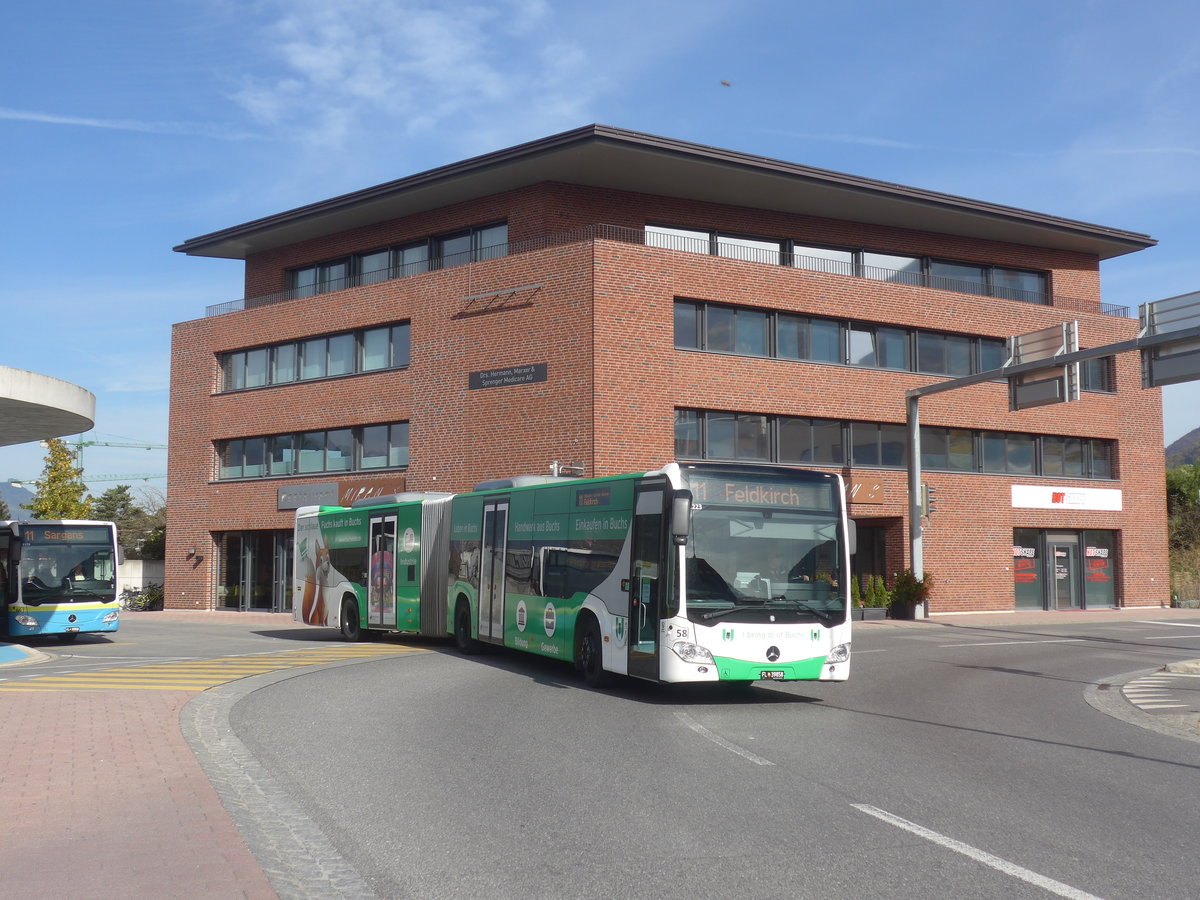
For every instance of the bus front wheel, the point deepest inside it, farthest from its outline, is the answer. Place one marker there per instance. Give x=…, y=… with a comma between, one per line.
x=589, y=658
x=351, y=630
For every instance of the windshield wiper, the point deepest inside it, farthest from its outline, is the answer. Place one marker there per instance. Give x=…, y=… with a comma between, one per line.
x=89, y=593
x=820, y=614
x=717, y=613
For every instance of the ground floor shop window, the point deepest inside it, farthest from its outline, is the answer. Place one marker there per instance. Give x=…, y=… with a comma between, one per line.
x=254, y=570
x=1064, y=569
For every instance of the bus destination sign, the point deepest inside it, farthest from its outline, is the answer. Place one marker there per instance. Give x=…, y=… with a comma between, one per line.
x=64, y=534
x=738, y=492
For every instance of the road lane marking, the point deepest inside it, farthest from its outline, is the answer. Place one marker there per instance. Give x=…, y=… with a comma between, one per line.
x=996, y=862
x=1168, y=624
x=1169, y=637
x=1004, y=643
x=194, y=674
x=720, y=741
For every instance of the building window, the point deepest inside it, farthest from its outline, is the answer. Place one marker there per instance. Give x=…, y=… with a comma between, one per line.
x=894, y=269
x=445, y=250
x=823, y=259
x=319, y=279
x=313, y=452
x=798, y=440
x=369, y=350
x=752, y=249
x=943, y=354
x=815, y=340
x=919, y=271
x=718, y=328
x=1097, y=375
x=874, y=444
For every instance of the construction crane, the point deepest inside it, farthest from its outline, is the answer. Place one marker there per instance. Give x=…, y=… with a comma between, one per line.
x=78, y=446
x=81, y=443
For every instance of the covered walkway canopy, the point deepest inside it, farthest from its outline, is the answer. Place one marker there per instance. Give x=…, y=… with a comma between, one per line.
x=37, y=407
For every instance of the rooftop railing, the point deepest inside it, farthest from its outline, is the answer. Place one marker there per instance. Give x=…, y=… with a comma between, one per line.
x=678, y=243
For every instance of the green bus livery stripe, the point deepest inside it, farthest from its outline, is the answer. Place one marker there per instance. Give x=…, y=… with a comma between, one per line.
x=731, y=669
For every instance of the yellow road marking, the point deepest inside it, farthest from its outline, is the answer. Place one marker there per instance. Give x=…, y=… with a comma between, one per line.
x=197, y=675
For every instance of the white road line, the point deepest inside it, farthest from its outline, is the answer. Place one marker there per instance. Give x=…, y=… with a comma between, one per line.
x=1001, y=865
x=1169, y=624
x=1168, y=637
x=1003, y=643
x=1161, y=705
x=720, y=741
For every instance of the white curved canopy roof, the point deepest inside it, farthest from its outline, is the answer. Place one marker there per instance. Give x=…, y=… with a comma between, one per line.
x=37, y=407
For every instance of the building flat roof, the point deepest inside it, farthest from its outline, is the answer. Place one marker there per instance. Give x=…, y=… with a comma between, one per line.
x=613, y=158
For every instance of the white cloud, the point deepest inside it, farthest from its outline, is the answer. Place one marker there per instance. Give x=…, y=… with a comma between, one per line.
x=380, y=65
x=191, y=129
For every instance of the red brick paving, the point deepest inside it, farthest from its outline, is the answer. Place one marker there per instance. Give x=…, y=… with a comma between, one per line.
x=101, y=797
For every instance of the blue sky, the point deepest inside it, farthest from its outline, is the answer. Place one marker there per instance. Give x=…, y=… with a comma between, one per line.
x=128, y=128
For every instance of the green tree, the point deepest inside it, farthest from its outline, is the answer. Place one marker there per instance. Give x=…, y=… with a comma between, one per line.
x=3, y=509
x=1183, y=533
x=61, y=493
x=140, y=523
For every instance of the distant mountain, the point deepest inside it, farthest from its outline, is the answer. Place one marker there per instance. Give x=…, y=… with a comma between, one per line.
x=14, y=497
x=1185, y=451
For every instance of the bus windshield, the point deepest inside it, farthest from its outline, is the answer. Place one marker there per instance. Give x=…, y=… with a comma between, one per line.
x=756, y=564
x=67, y=573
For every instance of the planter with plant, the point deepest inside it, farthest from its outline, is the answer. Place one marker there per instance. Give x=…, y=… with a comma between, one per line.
x=908, y=592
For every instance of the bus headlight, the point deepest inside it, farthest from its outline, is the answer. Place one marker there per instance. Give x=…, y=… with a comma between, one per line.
x=111, y=617
x=838, y=654
x=691, y=653
x=27, y=621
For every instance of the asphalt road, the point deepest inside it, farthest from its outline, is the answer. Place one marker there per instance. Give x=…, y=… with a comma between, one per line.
x=959, y=761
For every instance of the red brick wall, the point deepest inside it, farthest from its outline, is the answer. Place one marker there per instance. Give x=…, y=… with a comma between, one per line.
x=602, y=322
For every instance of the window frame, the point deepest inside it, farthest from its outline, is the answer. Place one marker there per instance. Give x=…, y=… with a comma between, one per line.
x=295, y=454
x=232, y=364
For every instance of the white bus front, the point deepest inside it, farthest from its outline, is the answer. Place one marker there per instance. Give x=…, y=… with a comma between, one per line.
x=756, y=588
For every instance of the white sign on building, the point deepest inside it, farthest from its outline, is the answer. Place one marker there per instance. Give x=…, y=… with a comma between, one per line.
x=1026, y=496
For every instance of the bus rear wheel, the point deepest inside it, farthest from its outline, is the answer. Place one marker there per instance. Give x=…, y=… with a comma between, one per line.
x=589, y=654
x=351, y=629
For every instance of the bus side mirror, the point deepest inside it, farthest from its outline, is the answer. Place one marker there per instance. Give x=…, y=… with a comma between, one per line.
x=14, y=552
x=851, y=536
x=681, y=517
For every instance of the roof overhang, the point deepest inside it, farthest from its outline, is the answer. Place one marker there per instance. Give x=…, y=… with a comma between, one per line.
x=604, y=157
x=37, y=407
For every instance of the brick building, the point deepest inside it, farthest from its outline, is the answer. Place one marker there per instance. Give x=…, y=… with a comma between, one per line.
x=619, y=300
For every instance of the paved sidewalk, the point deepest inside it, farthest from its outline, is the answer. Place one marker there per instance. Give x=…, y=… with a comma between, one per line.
x=1047, y=617
x=115, y=804
x=102, y=798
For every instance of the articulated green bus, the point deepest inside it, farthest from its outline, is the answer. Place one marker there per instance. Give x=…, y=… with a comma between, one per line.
x=694, y=572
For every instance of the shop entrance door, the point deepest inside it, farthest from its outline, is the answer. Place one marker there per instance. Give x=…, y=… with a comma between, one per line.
x=282, y=590
x=1064, y=583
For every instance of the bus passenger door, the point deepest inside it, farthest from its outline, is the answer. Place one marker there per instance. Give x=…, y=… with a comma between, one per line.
x=648, y=580
x=381, y=578
x=491, y=571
